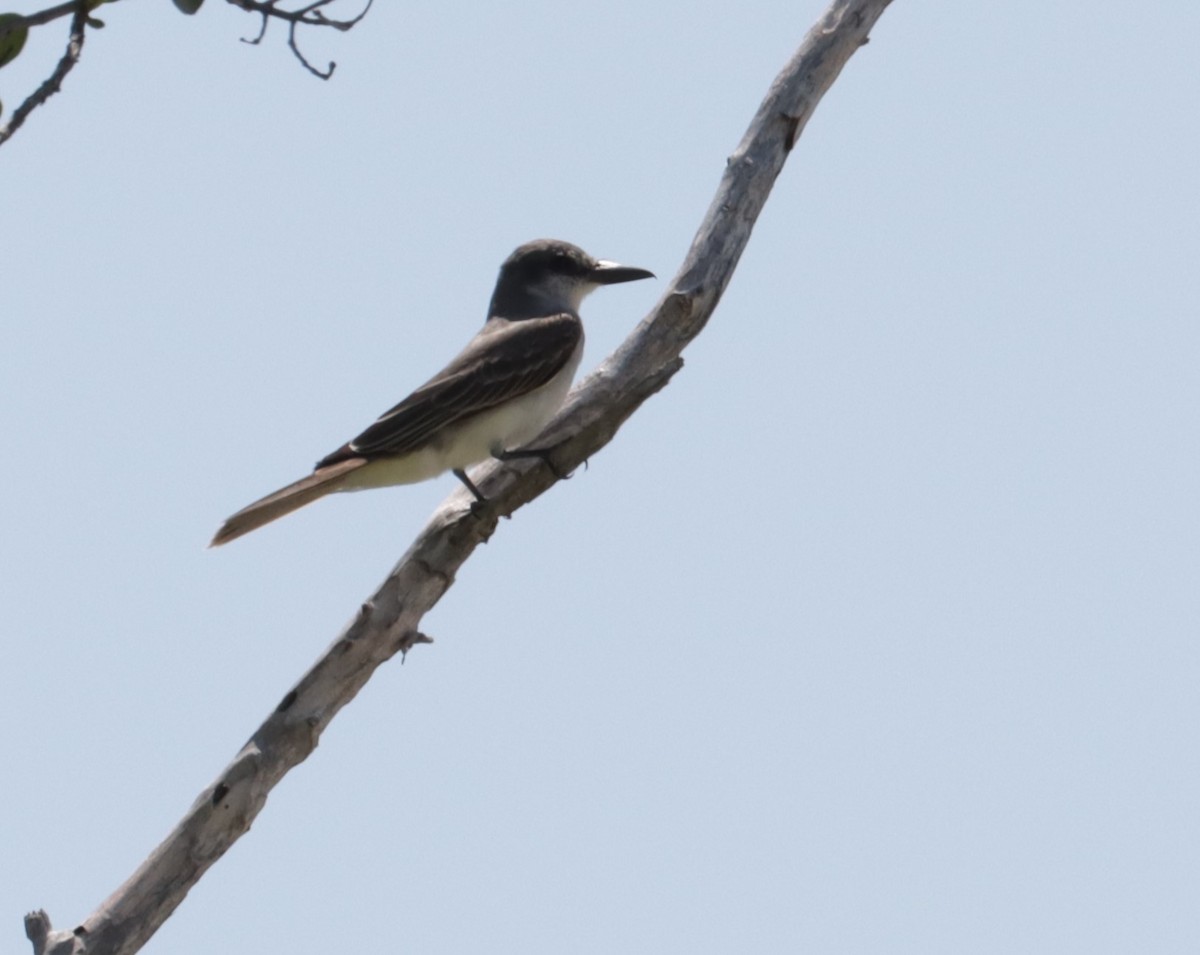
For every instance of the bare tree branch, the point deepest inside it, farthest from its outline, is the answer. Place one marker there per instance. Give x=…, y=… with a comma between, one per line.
x=310, y=15
x=53, y=82
x=389, y=622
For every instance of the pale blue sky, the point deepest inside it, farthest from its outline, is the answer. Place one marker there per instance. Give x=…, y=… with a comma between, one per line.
x=876, y=631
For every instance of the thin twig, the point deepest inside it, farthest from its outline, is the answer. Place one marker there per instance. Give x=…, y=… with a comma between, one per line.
x=37, y=19
x=53, y=82
x=310, y=15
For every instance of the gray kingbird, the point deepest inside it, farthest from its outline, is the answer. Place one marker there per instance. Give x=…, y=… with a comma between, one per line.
x=494, y=397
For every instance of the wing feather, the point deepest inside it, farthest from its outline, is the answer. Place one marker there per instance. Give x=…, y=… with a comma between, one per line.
x=505, y=361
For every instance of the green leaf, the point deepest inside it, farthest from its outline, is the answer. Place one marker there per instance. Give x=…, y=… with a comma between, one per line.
x=95, y=22
x=188, y=6
x=12, y=43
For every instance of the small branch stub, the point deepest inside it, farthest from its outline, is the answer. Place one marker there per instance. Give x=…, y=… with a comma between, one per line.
x=48, y=942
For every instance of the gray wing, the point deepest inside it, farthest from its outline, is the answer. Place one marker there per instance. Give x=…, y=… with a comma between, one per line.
x=500, y=365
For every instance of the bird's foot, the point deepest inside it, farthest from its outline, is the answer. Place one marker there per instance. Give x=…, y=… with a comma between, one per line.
x=481, y=507
x=480, y=501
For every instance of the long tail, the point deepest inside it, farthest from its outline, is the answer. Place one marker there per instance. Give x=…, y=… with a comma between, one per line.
x=285, y=500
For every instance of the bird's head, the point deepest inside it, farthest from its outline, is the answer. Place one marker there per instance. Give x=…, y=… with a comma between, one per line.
x=547, y=276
